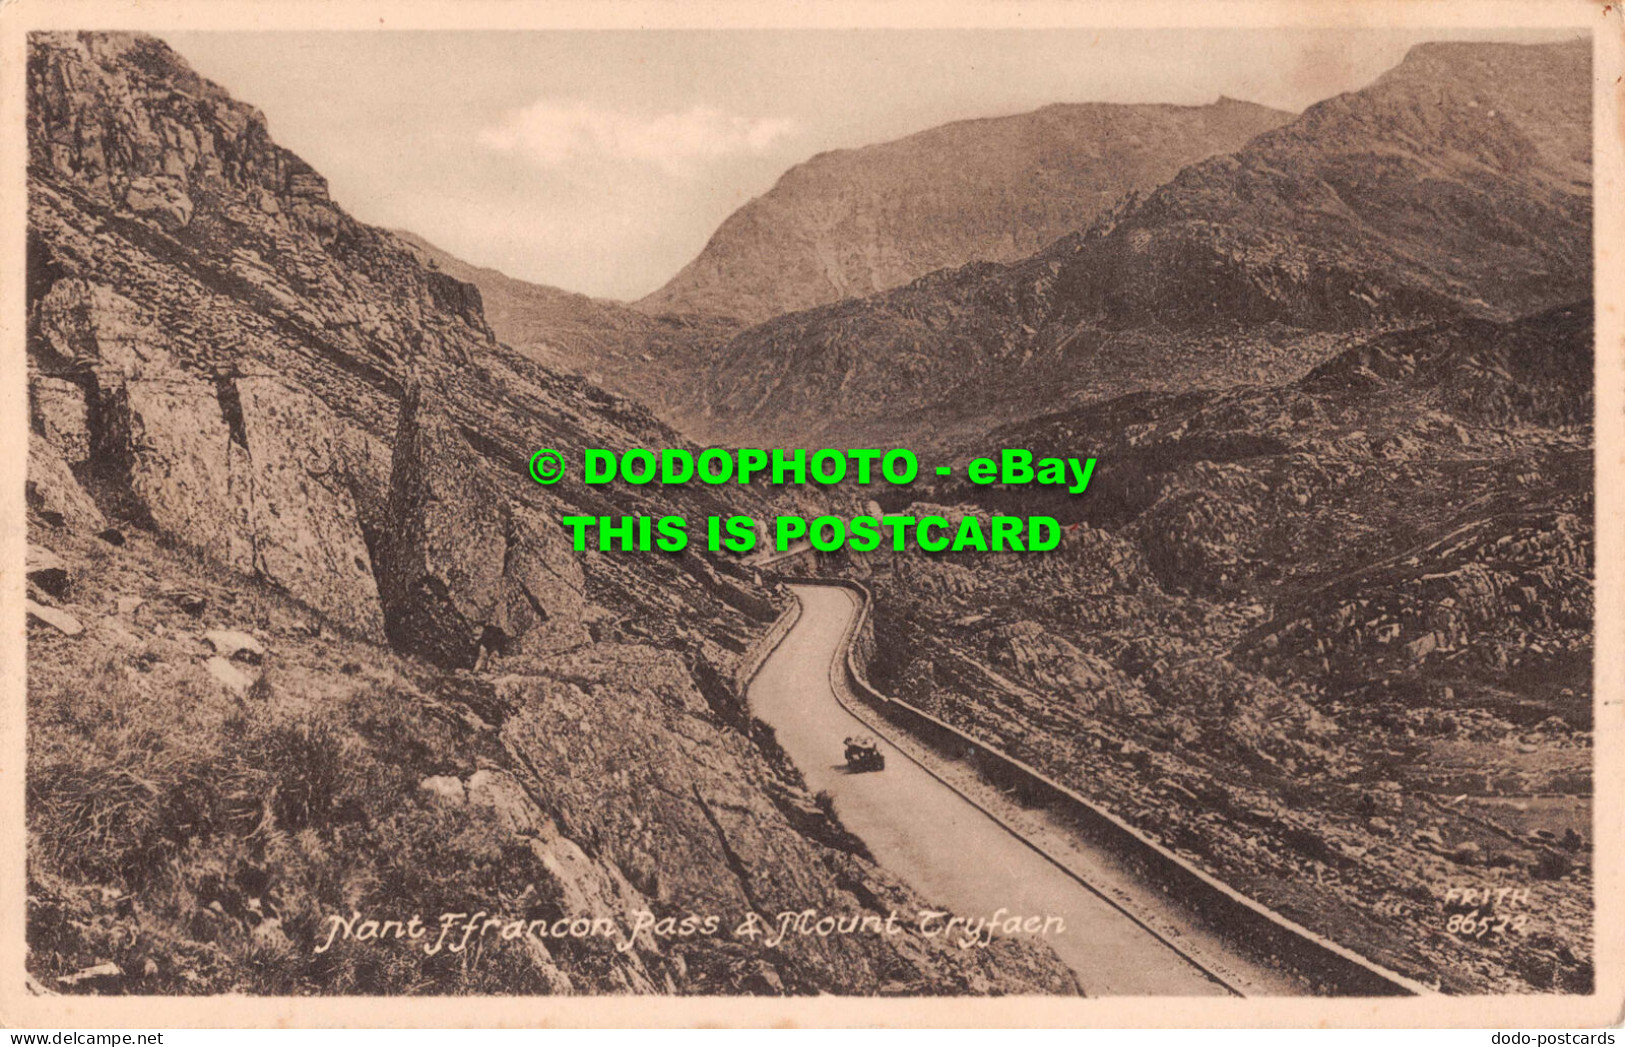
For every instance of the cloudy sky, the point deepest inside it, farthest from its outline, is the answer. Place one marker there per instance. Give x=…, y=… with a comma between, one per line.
x=602, y=161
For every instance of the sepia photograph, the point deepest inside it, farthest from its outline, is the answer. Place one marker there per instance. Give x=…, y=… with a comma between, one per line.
x=657, y=510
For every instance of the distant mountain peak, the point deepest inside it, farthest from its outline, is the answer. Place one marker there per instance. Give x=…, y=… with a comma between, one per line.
x=1451, y=51
x=852, y=222
x=1458, y=184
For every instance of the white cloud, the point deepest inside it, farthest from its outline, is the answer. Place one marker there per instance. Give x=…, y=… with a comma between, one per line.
x=560, y=134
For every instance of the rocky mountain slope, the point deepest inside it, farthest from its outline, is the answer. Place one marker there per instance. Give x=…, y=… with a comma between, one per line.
x=305, y=641
x=852, y=222
x=612, y=345
x=1456, y=184
x=1330, y=639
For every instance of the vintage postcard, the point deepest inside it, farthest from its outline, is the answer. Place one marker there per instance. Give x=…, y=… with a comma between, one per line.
x=866, y=514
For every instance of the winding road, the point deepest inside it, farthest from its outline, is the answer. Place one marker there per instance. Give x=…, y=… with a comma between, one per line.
x=945, y=846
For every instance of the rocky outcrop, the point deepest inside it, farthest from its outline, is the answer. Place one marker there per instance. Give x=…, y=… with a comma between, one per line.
x=58, y=413
x=47, y=571
x=244, y=469
x=1332, y=639
x=56, y=618
x=304, y=524
x=246, y=472
x=1537, y=372
x=174, y=460
x=461, y=571
x=54, y=492
x=1462, y=606
x=242, y=370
